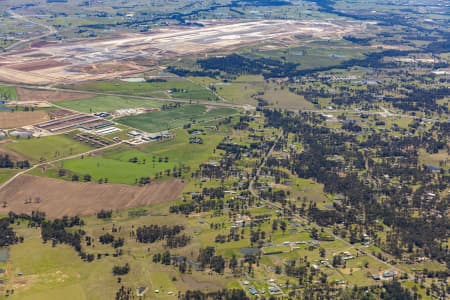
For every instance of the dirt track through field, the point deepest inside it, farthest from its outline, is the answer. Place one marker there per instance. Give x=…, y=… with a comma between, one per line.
x=58, y=198
x=45, y=95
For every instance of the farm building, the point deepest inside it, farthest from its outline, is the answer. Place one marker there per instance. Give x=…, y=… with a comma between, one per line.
x=389, y=274
x=22, y=134
x=134, y=133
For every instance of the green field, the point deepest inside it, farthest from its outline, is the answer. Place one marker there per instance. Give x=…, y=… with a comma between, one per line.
x=246, y=90
x=317, y=54
x=176, y=88
x=107, y=104
x=5, y=174
x=59, y=273
x=47, y=148
x=115, y=164
x=175, y=118
x=8, y=93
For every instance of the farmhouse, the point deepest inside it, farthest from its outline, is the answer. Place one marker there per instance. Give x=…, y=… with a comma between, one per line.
x=389, y=274
x=433, y=169
x=134, y=133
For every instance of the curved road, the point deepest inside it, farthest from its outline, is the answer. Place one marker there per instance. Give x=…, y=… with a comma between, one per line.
x=50, y=30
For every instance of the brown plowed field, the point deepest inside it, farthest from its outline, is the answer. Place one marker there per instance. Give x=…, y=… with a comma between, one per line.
x=21, y=118
x=38, y=65
x=42, y=95
x=59, y=198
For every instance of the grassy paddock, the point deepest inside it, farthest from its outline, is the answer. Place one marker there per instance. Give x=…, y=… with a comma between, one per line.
x=175, y=118
x=116, y=166
x=107, y=104
x=177, y=88
x=8, y=93
x=47, y=148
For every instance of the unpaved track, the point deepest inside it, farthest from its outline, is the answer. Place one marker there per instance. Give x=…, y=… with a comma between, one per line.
x=50, y=30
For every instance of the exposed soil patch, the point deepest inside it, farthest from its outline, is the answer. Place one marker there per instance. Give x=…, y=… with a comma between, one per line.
x=37, y=65
x=42, y=95
x=58, y=198
x=20, y=118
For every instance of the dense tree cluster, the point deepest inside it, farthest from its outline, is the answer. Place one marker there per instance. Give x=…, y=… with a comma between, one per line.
x=386, y=157
x=121, y=270
x=6, y=162
x=7, y=235
x=155, y=233
x=55, y=231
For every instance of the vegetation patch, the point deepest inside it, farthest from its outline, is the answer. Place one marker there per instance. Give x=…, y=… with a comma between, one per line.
x=175, y=118
x=107, y=104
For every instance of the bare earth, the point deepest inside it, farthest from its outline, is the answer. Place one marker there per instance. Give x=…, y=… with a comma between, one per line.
x=58, y=198
x=20, y=118
x=50, y=96
x=104, y=58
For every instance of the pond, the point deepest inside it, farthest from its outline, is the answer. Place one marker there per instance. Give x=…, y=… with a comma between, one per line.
x=4, y=254
x=249, y=251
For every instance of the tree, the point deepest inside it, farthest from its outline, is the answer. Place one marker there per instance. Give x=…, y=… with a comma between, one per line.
x=218, y=264
x=121, y=270
x=322, y=252
x=233, y=263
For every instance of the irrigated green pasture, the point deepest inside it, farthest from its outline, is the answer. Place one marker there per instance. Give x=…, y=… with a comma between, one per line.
x=175, y=118
x=115, y=164
x=176, y=88
x=8, y=93
x=47, y=148
x=107, y=104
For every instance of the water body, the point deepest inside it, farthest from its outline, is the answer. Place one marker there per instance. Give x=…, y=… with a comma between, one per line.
x=249, y=251
x=4, y=254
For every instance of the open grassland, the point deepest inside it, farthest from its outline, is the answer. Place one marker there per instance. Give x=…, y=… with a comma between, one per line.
x=47, y=148
x=175, y=118
x=439, y=160
x=176, y=88
x=247, y=89
x=115, y=163
x=107, y=104
x=317, y=54
x=5, y=174
x=305, y=190
x=58, y=198
x=57, y=272
x=54, y=271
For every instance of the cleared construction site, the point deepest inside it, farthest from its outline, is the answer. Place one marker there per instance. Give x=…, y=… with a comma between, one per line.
x=64, y=62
